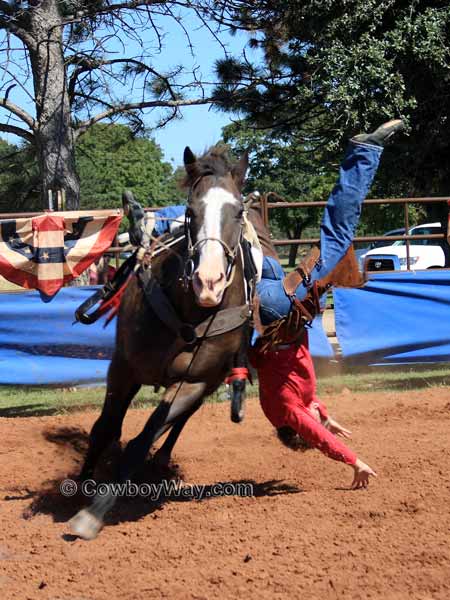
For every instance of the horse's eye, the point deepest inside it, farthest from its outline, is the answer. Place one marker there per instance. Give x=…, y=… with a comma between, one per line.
x=240, y=213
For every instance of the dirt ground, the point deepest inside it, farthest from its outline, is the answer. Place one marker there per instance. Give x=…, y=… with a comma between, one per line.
x=302, y=534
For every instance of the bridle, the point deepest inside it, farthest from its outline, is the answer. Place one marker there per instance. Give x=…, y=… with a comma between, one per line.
x=193, y=248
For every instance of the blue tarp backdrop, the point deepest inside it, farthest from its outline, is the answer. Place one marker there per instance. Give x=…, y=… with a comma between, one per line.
x=40, y=345
x=395, y=318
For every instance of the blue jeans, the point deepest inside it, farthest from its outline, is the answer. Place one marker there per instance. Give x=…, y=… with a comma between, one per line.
x=337, y=230
x=165, y=217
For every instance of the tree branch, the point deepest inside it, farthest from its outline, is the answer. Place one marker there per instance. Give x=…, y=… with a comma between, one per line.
x=93, y=99
x=19, y=112
x=123, y=108
x=22, y=34
x=104, y=10
x=86, y=64
x=6, y=7
x=23, y=133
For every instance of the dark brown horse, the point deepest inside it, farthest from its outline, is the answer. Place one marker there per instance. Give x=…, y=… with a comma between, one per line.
x=199, y=285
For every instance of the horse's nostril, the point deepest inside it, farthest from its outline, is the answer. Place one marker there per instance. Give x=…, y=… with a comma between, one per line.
x=207, y=281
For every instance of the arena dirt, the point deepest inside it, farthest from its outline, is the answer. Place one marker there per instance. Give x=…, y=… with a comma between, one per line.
x=302, y=534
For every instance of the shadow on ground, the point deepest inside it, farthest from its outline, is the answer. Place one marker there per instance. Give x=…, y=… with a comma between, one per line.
x=50, y=500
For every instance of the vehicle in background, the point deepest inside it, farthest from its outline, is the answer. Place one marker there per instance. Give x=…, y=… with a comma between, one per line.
x=361, y=252
x=423, y=254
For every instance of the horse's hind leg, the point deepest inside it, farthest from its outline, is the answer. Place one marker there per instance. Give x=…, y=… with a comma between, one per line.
x=162, y=455
x=121, y=389
x=178, y=404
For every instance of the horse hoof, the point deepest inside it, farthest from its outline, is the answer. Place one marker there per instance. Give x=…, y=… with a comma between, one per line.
x=85, y=525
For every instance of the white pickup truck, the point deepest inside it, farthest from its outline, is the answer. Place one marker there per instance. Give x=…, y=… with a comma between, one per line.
x=423, y=254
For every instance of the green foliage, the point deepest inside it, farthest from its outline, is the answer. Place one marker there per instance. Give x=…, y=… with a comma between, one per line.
x=334, y=68
x=110, y=159
x=18, y=178
x=283, y=165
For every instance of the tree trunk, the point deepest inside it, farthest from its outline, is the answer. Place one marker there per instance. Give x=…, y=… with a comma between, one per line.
x=54, y=138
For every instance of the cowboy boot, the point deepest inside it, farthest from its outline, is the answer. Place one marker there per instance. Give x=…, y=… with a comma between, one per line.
x=380, y=136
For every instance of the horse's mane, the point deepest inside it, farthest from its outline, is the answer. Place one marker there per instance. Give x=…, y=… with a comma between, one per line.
x=215, y=161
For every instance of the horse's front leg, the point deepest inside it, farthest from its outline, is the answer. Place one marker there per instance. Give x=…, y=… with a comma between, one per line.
x=240, y=374
x=121, y=389
x=179, y=399
x=238, y=400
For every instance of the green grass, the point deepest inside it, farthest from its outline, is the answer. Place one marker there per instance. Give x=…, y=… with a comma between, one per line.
x=29, y=401
x=24, y=401
x=40, y=401
x=386, y=379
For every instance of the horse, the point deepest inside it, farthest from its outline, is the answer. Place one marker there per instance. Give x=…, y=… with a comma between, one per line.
x=180, y=325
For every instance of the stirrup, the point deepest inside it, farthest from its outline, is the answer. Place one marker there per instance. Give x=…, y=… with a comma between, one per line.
x=109, y=296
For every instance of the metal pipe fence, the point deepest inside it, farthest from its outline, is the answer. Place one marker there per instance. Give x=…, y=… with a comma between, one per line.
x=266, y=206
x=280, y=204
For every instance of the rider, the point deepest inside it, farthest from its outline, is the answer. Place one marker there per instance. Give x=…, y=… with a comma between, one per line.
x=287, y=382
x=286, y=375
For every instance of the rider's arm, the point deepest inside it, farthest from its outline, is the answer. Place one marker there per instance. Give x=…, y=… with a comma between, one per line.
x=317, y=436
x=323, y=411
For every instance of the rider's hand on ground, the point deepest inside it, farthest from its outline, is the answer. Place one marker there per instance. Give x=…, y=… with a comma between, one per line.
x=361, y=475
x=337, y=429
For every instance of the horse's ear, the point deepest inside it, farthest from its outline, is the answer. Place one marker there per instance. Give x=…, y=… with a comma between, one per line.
x=240, y=169
x=188, y=157
x=190, y=162
x=127, y=200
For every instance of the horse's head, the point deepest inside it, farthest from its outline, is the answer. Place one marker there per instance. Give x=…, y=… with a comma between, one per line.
x=213, y=220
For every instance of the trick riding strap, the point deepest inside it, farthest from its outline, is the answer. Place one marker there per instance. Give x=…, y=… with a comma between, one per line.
x=289, y=329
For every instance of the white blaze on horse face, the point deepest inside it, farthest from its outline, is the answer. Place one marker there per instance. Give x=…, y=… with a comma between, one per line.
x=210, y=278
